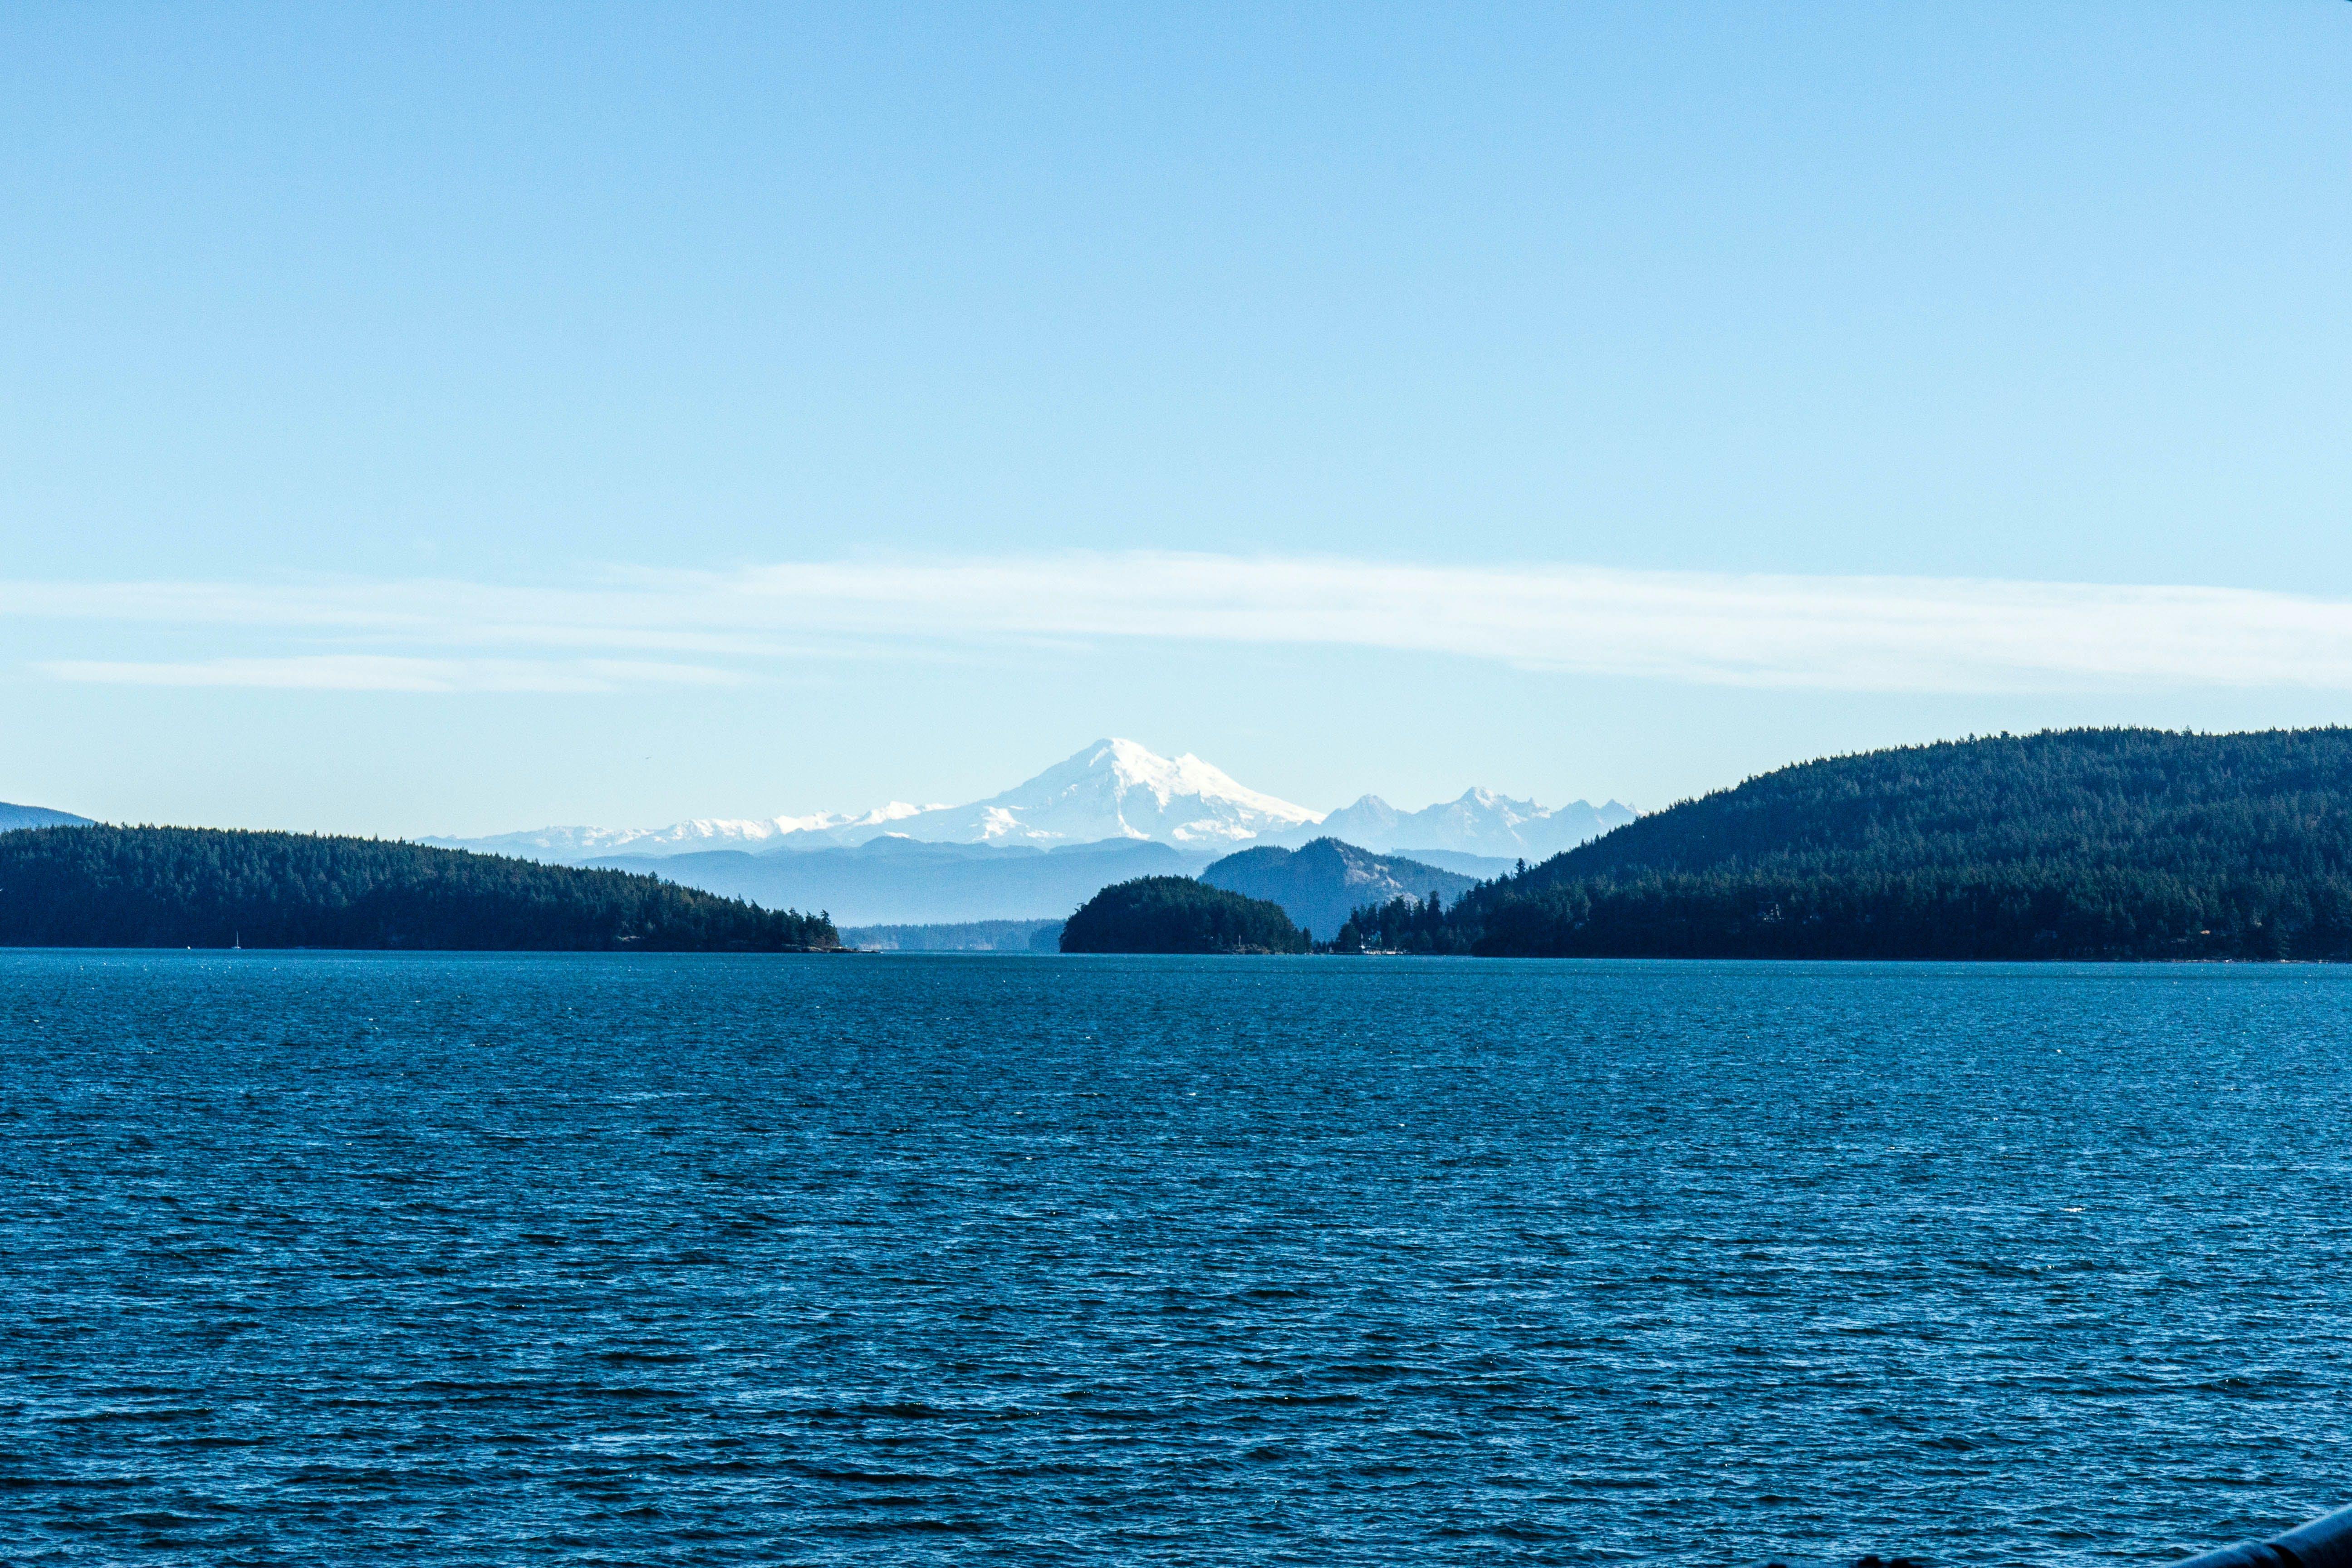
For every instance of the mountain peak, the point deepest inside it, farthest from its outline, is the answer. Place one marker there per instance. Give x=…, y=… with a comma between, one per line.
x=1112, y=789
x=1117, y=788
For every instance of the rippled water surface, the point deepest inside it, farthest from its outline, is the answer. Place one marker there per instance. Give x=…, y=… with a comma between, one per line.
x=321, y=1258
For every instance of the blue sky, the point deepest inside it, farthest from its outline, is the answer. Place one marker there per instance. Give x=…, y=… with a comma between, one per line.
x=429, y=420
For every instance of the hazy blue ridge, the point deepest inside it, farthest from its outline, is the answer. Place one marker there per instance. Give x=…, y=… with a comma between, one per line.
x=2081, y=844
x=1179, y=915
x=903, y=882
x=13, y=817
x=195, y=887
x=1477, y=867
x=1320, y=885
x=965, y=936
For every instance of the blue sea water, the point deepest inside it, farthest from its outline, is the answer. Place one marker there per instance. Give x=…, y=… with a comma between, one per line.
x=492, y=1259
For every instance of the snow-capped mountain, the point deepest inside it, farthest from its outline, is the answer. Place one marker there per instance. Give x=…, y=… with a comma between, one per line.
x=1480, y=823
x=1114, y=789
x=565, y=844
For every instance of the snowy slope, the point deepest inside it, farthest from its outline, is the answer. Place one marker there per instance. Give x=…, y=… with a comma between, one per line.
x=1112, y=789
x=1479, y=823
x=570, y=845
x=1115, y=789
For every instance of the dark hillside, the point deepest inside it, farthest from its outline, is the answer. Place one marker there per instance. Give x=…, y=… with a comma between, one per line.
x=2073, y=844
x=184, y=887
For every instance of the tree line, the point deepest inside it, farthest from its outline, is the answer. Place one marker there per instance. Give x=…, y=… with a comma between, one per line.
x=2086, y=844
x=186, y=886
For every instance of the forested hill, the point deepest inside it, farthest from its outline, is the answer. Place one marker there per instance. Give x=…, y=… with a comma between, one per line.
x=2073, y=844
x=1321, y=885
x=1177, y=914
x=184, y=887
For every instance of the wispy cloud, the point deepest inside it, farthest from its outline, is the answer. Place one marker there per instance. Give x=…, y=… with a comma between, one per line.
x=1887, y=634
x=378, y=672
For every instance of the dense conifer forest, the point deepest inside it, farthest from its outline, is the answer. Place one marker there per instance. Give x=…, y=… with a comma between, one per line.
x=184, y=887
x=1177, y=914
x=2084, y=844
x=1401, y=925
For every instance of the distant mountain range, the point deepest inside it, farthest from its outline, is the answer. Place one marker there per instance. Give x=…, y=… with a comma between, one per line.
x=1112, y=790
x=577, y=845
x=16, y=817
x=2084, y=845
x=1112, y=812
x=1491, y=827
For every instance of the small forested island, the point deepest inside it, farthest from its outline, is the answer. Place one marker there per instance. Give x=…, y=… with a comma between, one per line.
x=186, y=887
x=2081, y=844
x=1177, y=914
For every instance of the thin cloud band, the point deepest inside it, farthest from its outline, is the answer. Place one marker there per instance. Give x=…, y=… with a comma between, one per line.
x=1881, y=634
